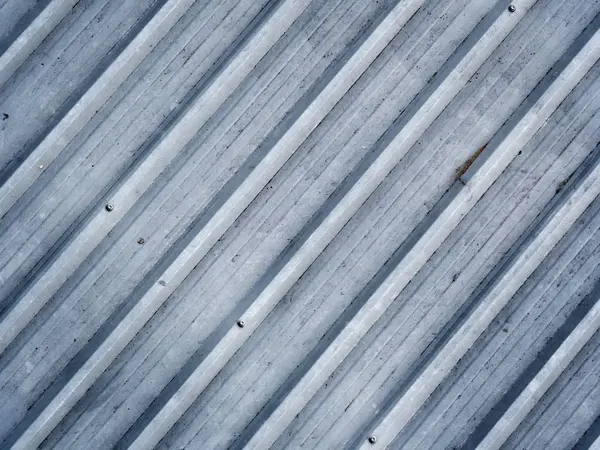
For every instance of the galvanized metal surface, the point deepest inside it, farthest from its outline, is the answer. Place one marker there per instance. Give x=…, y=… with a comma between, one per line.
x=299, y=224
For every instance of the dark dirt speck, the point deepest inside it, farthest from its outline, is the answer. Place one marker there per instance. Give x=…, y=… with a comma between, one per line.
x=562, y=184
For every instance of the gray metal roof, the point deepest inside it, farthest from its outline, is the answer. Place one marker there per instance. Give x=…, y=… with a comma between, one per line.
x=326, y=224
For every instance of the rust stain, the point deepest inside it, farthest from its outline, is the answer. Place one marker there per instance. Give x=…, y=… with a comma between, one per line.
x=562, y=184
x=462, y=169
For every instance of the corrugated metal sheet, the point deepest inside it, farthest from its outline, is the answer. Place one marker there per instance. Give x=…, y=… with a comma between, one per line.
x=324, y=224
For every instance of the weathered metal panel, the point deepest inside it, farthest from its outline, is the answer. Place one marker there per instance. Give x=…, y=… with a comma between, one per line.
x=299, y=224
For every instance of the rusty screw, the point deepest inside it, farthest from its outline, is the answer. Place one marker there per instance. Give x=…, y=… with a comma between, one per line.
x=512, y=8
x=109, y=207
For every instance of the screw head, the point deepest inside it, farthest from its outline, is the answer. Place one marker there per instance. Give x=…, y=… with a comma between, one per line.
x=141, y=241
x=109, y=207
x=240, y=323
x=372, y=439
x=512, y=8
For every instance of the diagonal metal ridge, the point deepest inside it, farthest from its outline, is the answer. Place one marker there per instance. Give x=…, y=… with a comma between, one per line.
x=106, y=85
x=31, y=37
x=547, y=375
x=458, y=70
x=521, y=268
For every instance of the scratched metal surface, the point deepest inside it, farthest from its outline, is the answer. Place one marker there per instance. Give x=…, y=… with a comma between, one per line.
x=299, y=224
